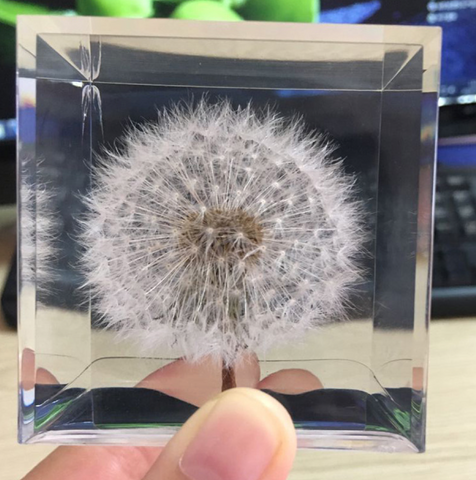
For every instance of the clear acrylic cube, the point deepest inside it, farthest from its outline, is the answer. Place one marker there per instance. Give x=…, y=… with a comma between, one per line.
x=355, y=380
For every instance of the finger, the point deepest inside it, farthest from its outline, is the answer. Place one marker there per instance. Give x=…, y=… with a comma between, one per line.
x=27, y=369
x=30, y=376
x=95, y=463
x=45, y=377
x=292, y=382
x=196, y=383
x=241, y=434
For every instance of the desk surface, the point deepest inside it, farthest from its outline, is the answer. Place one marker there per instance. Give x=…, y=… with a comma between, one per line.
x=451, y=444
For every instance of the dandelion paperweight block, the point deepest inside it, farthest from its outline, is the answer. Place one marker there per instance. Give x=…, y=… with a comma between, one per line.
x=211, y=205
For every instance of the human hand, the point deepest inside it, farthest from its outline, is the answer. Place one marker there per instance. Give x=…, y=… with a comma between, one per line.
x=242, y=434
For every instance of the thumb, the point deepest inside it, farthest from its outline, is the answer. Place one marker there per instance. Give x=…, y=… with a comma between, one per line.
x=242, y=434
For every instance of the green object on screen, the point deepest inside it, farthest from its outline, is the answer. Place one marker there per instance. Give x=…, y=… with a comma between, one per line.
x=116, y=8
x=10, y=10
x=281, y=10
x=234, y=3
x=227, y=3
x=204, y=10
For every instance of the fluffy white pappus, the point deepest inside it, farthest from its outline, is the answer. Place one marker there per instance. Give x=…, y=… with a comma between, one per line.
x=218, y=231
x=37, y=234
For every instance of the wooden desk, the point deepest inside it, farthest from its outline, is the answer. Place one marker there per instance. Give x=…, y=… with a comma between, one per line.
x=451, y=446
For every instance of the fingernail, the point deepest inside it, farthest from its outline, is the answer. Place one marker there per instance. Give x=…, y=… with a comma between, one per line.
x=237, y=441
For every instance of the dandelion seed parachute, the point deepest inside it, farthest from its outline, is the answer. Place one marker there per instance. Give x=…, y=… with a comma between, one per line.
x=218, y=231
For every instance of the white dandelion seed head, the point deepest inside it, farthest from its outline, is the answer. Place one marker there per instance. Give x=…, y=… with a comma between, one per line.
x=218, y=231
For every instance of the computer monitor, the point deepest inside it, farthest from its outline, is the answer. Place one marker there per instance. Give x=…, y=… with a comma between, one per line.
x=456, y=17
x=7, y=115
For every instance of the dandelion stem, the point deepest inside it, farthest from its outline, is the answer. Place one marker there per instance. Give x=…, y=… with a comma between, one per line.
x=228, y=378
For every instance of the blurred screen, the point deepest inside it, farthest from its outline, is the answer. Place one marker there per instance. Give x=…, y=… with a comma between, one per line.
x=456, y=17
x=457, y=154
x=7, y=82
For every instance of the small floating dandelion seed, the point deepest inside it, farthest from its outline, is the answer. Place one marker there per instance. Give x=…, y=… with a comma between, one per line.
x=220, y=231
